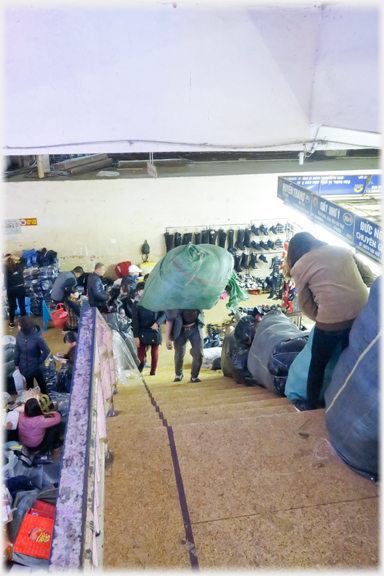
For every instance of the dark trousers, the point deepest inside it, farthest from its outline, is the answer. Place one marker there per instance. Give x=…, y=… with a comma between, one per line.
x=154, y=356
x=18, y=293
x=52, y=435
x=323, y=345
x=194, y=335
x=39, y=377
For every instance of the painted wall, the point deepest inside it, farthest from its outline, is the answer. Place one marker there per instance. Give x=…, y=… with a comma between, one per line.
x=79, y=219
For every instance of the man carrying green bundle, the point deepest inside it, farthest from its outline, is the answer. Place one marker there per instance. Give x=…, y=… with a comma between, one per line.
x=183, y=325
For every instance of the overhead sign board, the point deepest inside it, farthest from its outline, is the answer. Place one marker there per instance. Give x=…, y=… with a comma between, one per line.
x=368, y=237
x=339, y=185
x=295, y=195
x=333, y=216
x=361, y=233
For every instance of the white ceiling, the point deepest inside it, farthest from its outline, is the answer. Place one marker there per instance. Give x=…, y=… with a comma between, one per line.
x=154, y=77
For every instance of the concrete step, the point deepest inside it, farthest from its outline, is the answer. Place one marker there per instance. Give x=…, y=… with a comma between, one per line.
x=212, y=416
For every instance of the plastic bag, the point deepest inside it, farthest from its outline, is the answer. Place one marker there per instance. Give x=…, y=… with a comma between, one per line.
x=235, y=293
x=209, y=355
x=125, y=365
x=234, y=361
x=188, y=277
x=273, y=329
x=245, y=330
x=19, y=380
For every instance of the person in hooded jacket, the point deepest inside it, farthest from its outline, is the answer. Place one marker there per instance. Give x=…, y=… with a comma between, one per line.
x=14, y=282
x=331, y=284
x=31, y=350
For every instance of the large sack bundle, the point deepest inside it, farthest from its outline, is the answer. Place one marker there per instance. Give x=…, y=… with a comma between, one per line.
x=352, y=399
x=273, y=329
x=234, y=361
x=188, y=277
x=296, y=384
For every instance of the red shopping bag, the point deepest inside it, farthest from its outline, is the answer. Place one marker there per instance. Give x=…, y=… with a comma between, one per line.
x=35, y=536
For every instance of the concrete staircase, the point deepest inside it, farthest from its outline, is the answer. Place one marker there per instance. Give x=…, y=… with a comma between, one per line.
x=219, y=475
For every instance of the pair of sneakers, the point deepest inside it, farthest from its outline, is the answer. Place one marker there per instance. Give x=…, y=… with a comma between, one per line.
x=179, y=379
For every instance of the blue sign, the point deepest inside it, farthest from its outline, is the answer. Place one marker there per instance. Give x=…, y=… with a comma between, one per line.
x=368, y=237
x=295, y=195
x=342, y=185
x=339, y=185
x=333, y=217
x=374, y=184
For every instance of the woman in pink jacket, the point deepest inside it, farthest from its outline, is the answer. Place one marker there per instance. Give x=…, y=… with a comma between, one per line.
x=37, y=430
x=331, y=286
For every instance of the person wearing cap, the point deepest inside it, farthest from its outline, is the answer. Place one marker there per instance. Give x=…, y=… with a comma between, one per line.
x=133, y=274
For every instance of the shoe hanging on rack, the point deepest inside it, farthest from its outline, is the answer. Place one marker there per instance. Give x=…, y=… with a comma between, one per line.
x=231, y=249
x=222, y=238
x=244, y=261
x=263, y=258
x=263, y=245
x=240, y=239
x=255, y=230
x=273, y=229
x=187, y=237
x=253, y=260
x=177, y=239
x=205, y=237
x=237, y=267
x=197, y=238
x=247, y=237
x=263, y=229
x=168, y=241
x=212, y=236
x=271, y=244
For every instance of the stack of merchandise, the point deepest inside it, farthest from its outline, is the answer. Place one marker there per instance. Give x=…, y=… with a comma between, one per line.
x=38, y=281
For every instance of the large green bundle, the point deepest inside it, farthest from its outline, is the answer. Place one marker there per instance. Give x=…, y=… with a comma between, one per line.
x=188, y=277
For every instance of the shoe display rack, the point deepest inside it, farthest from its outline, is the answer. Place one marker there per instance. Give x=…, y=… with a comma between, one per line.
x=257, y=247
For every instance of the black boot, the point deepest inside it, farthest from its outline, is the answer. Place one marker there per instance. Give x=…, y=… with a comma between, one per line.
x=271, y=244
x=240, y=239
x=263, y=258
x=253, y=260
x=255, y=230
x=263, y=229
x=244, y=260
x=271, y=294
x=263, y=245
x=205, y=237
x=222, y=237
x=168, y=241
x=255, y=245
x=197, y=237
x=247, y=238
x=231, y=249
x=237, y=263
x=212, y=236
x=273, y=229
x=187, y=237
x=177, y=239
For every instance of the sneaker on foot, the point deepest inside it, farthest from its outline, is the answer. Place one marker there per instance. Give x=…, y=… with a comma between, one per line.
x=302, y=405
x=11, y=325
x=178, y=378
x=152, y=373
x=195, y=380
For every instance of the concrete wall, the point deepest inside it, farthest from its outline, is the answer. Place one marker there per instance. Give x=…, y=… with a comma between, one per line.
x=80, y=219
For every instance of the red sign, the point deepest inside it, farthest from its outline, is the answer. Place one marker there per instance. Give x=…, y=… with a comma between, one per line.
x=28, y=221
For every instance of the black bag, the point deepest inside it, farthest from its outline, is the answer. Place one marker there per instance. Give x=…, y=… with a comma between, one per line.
x=149, y=337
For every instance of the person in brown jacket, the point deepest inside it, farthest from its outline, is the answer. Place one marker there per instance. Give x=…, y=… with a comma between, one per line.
x=331, y=285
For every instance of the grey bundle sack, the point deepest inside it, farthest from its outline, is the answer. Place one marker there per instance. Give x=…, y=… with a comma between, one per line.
x=273, y=329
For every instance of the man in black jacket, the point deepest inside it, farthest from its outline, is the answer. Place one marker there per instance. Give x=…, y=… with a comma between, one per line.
x=96, y=294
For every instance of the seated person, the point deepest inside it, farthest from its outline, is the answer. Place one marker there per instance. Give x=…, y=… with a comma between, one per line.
x=72, y=305
x=38, y=431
